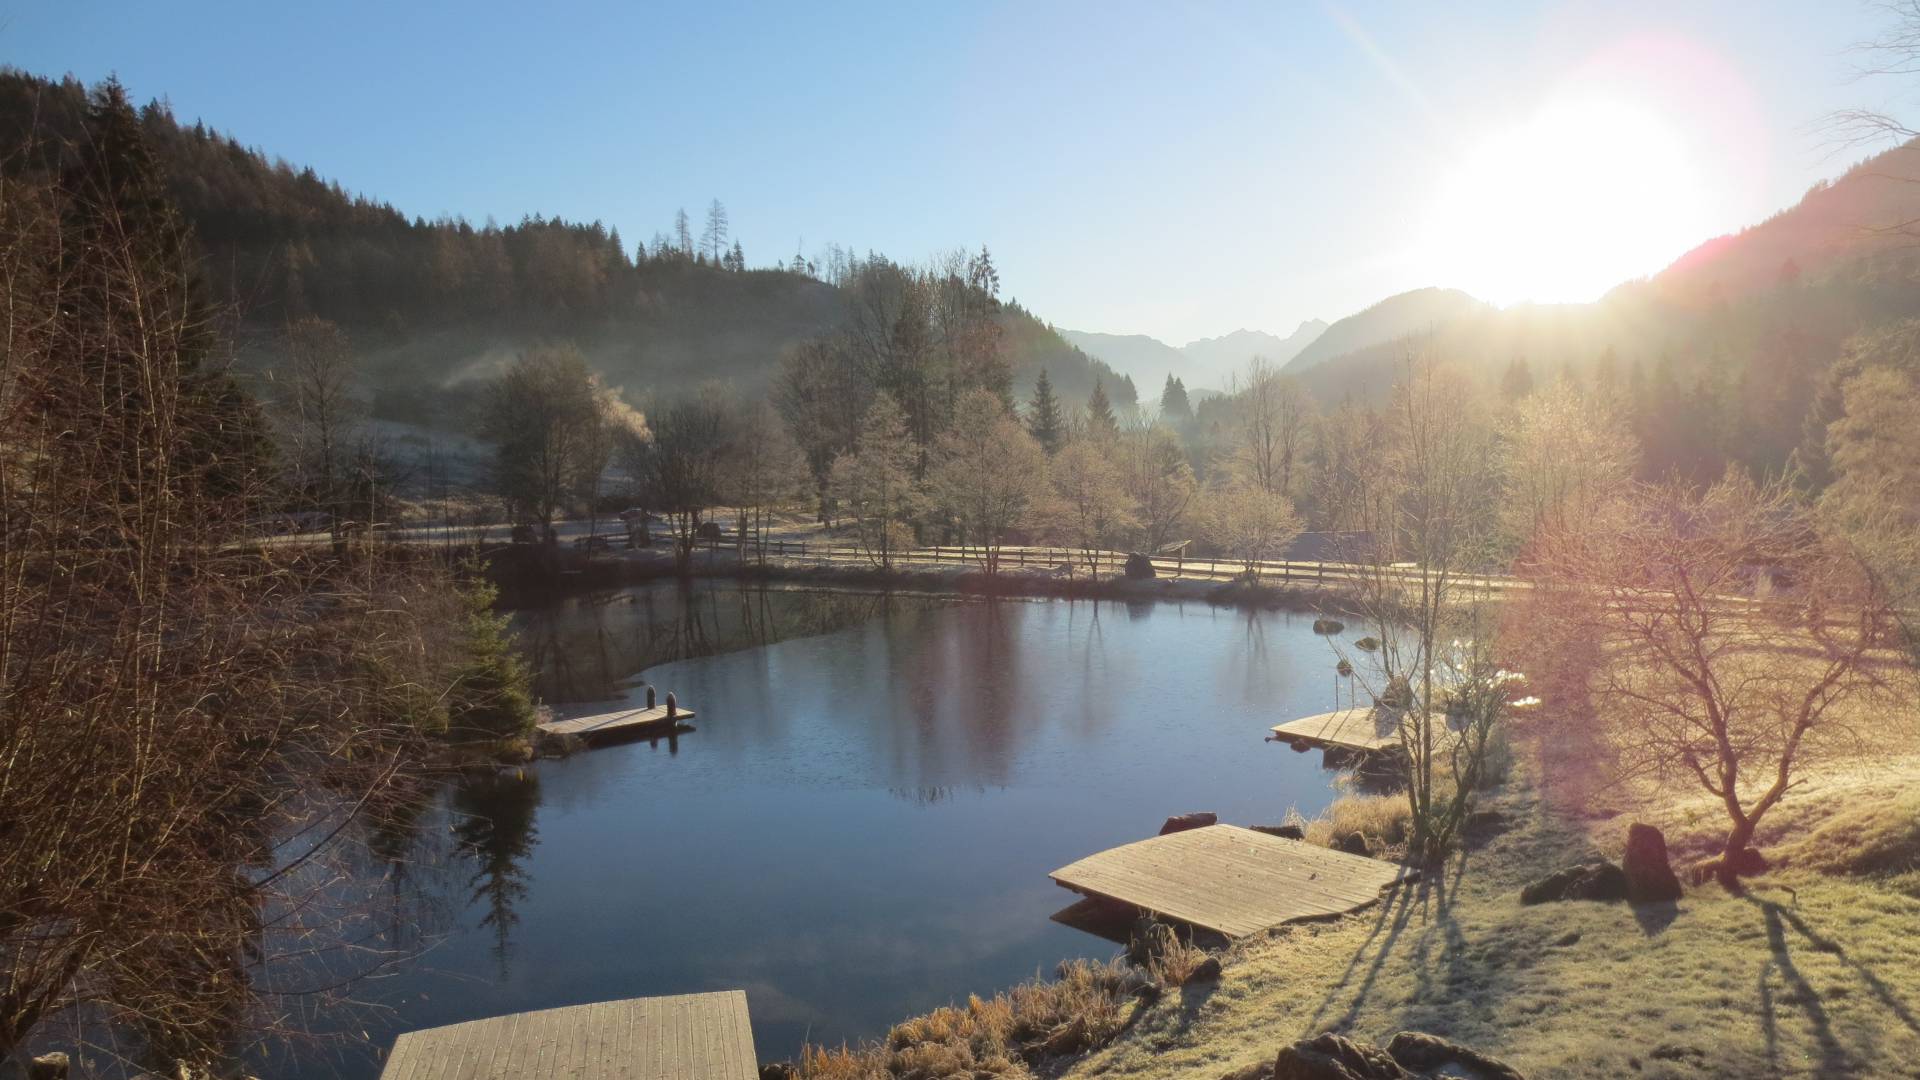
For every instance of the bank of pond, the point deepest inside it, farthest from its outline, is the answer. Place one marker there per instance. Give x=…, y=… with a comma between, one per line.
x=858, y=826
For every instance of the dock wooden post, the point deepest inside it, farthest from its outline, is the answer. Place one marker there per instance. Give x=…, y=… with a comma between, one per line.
x=673, y=707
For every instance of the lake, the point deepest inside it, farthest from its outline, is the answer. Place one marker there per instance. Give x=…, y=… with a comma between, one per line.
x=861, y=825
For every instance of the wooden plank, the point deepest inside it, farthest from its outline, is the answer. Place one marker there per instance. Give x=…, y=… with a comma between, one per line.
x=621, y=721
x=1231, y=880
x=683, y=1037
x=1364, y=729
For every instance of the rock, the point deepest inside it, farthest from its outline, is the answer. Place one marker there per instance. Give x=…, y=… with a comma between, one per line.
x=1285, y=832
x=1650, y=877
x=1199, y=819
x=1587, y=881
x=1430, y=1053
x=1570, y=938
x=1259, y=1071
x=48, y=1067
x=1328, y=626
x=1334, y=1057
x=1368, y=644
x=779, y=1070
x=1140, y=567
x=1747, y=861
x=1354, y=844
x=1484, y=823
x=1069, y=1038
x=1207, y=970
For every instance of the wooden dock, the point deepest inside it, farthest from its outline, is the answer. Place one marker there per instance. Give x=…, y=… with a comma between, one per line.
x=1231, y=880
x=622, y=722
x=686, y=1037
x=1367, y=729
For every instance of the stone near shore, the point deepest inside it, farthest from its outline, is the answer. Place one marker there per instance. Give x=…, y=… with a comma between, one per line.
x=52, y=1066
x=1199, y=819
x=1328, y=626
x=1285, y=832
x=1335, y=1057
x=1587, y=881
x=1430, y=1054
x=1410, y=1055
x=1650, y=877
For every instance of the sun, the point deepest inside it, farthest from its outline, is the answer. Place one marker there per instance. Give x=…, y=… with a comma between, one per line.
x=1587, y=193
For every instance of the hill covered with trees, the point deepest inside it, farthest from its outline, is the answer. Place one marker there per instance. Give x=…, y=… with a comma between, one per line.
x=432, y=306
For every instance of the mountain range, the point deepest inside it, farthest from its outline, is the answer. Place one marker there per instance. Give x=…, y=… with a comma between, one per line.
x=1206, y=364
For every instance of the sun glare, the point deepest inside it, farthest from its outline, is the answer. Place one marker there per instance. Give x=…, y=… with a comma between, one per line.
x=1585, y=194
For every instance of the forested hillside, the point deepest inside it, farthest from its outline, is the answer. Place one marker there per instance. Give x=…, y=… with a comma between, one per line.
x=429, y=305
x=1722, y=357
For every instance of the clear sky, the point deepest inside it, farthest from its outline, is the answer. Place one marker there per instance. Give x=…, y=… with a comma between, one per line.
x=1176, y=169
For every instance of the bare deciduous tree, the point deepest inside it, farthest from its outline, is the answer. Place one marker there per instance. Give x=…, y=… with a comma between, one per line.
x=988, y=474
x=1090, y=509
x=1732, y=635
x=874, y=484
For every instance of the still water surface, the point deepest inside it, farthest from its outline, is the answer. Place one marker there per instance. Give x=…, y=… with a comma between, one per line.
x=861, y=826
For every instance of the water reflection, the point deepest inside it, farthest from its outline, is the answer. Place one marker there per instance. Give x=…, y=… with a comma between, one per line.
x=863, y=826
x=495, y=831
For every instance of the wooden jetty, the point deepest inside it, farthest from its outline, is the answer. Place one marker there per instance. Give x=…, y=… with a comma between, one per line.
x=621, y=722
x=1231, y=880
x=685, y=1037
x=1367, y=729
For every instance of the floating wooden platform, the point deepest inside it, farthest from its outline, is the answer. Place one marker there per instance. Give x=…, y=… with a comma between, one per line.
x=624, y=722
x=686, y=1037
x=1231, y=880
x=1365, y=729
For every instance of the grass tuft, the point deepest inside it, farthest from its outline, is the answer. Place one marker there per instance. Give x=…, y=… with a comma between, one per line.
x=1003, y=1036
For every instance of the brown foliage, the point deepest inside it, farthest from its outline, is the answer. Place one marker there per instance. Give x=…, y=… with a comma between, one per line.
x=1730, y=634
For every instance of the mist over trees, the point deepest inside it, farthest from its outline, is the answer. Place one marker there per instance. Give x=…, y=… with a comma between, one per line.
x=433, y=308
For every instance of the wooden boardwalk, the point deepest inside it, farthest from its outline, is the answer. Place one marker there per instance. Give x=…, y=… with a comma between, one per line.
x=1231, y=880
x=688, y=1037
x=1365, y=729
x=623, y=722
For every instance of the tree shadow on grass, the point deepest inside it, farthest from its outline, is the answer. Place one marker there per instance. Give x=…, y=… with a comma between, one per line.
x=1429, y=896
x=1835, y=1059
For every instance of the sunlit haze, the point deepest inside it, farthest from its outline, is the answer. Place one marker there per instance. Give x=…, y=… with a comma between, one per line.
x=1291, y=161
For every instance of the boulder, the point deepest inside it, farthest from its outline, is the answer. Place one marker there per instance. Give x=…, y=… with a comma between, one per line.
x=1207, y=970
x=1328, y=626
x=1430, y=1054
x=1199, y=819
x=779, y=1070
x=48, y=1067
x=1587, y=881
x=1285, y=832
x=1650, y=877
x=1335, y=1057
x=1354, y=844
x=1140, y=567
x=1258, y=1071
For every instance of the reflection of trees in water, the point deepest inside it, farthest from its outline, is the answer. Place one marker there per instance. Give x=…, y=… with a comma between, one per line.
x=496, y=831
x=935, y=793
x=591, y=647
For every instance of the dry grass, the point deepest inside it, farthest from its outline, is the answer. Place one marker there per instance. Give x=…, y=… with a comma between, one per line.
x=1002, y=1036
x=1809, y=975
x=1384, y=821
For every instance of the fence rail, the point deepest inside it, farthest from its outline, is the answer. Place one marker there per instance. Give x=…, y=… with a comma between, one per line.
x=1077, y=560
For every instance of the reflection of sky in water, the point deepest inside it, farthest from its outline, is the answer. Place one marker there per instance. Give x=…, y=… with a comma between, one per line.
x=862, y=824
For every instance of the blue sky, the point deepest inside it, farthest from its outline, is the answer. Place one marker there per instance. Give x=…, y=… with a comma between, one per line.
x=1173, y=169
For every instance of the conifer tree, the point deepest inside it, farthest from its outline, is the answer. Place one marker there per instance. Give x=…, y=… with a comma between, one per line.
x=1174, y=406
x=1043, y=415
x=1100, y=418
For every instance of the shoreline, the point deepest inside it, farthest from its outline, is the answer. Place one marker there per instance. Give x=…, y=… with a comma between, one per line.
x=522, y=571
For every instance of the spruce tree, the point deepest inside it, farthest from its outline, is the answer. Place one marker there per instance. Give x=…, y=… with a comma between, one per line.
x=1100, y=418
x=1043, y=415
x=1517, y=383
x=1174, y=406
